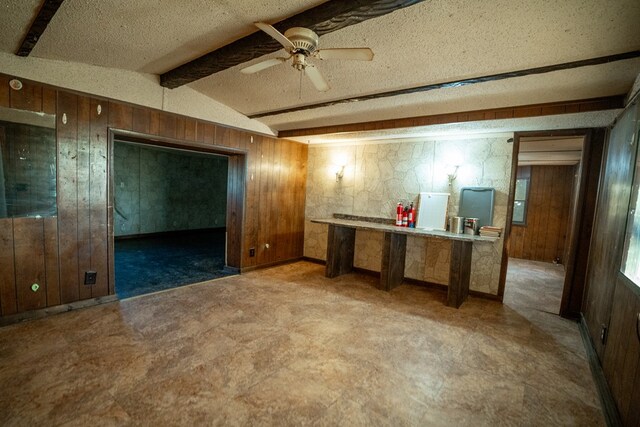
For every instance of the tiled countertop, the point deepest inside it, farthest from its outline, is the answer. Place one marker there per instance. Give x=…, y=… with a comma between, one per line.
x=373, y=226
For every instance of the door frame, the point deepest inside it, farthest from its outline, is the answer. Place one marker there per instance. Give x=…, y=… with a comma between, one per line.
x=236, y=175
x=582, y=216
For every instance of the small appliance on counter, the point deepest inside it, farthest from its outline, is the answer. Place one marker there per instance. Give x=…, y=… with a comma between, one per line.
x=471, y=226
x=456, y=224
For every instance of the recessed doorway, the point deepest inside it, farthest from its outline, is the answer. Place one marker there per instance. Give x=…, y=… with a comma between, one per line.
x=169, y=217
x=544, y=203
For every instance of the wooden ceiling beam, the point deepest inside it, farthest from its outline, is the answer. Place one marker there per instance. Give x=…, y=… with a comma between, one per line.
x=330, y=16
x=39, y=24
x=520, y=111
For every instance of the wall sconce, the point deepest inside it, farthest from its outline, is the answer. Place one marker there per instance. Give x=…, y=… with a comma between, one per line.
x=340, y=173
x=452, y=174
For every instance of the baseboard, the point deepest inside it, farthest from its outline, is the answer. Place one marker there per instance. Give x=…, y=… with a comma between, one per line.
x=609, y=409
x=366, y=272
x=231, y=270
x=271, y=264
x=314, y=260
x=484, y=295
x=426, y=284
x=48, y=311
x=417, y=282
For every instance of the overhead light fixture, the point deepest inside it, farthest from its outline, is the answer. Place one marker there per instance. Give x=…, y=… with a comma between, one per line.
x=301, y=44
x=15, y=84
x=340, y=173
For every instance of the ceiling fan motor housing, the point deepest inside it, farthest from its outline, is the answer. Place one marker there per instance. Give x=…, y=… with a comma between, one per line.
x=303, y=39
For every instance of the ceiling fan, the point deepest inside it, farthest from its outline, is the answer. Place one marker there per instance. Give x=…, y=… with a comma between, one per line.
x=302, y=44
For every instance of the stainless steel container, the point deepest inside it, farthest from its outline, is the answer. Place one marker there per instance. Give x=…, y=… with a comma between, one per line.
x=471, y=226
x=456, y=224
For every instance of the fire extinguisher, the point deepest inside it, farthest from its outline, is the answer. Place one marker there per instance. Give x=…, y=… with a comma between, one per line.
x=405, y=217
x=412, y=216
x=399, y=210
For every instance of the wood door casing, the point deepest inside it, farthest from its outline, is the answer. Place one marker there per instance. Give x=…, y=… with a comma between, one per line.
x=582, y=210
x=583, y=214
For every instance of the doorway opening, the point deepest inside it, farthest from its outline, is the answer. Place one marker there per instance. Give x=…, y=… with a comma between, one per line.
x=545, y=203
x=169, y=216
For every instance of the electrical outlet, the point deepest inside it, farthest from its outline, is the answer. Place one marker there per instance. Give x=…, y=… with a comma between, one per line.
x=603, y=334
x=90, y=277
x=252, y=251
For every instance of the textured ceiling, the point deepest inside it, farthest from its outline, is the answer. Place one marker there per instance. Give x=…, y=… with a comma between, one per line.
x=430, y=42
x=551, y=150
x=579, y=83
x=150, y=36
x=15, y=19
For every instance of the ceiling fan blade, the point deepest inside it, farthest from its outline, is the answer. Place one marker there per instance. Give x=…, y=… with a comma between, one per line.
x=316, y=78
x=355, y=54
x=277, y=35
x=262, y=65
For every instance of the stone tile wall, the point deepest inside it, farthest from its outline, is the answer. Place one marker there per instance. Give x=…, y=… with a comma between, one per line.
x=158, y=190
x=377, y=176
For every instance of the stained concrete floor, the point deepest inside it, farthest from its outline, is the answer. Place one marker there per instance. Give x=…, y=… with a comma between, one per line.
x=534, y=285
x=287, y=346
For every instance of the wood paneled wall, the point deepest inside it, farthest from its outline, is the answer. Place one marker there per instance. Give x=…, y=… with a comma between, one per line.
x=543, y=236
x=621, y=363
x=607, y=242
x=28, y=246
x=266, y=195
x=612, y=302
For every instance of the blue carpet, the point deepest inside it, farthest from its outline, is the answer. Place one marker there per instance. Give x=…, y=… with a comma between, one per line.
x=151, y=264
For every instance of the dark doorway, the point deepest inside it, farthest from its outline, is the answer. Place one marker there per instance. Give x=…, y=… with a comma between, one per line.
x=146, y=264
x=170, y=215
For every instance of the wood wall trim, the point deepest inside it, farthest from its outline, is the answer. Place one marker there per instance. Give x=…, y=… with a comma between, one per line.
x=155, y=140
x=39, y=24
x=520, y=111
x=58, y=309
x=512, y=189
x=235, y=150
x=457, y=83
x=583, y=222
x=325, y=18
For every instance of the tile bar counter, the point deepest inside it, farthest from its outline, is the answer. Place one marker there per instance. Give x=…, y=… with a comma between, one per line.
x=341, y=248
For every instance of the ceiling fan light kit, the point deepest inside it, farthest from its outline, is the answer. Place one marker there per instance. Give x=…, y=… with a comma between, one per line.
x=303, y=39
x=302, y=43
